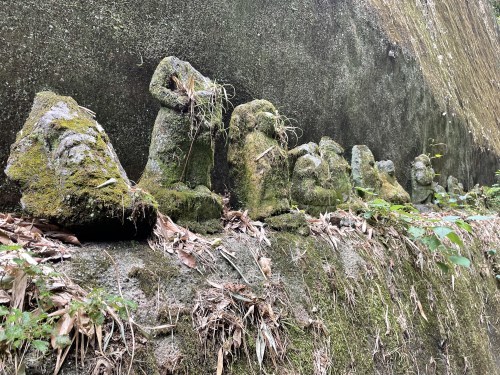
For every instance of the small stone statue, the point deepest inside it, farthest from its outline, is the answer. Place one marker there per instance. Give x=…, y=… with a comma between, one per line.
x=454, y=187
x=181, y=154
x=422, y=180
x=320, y=177
x=391, y=190
x=258, y=160
x=377, y=177
x=364, y=171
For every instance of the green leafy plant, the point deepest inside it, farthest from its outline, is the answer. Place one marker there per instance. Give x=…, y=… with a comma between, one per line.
x=97, y=301
x=38, y=316
x=425, y=230
x=365, y=192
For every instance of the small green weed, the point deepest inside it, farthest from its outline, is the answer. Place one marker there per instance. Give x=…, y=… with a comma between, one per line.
x=42, y=317
x=426, y=230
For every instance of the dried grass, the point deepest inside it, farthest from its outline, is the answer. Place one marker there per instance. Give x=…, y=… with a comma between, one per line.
x=226, y=314
x=29, y=283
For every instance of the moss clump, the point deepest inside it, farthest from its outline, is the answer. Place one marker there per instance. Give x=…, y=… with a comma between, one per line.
x=493, y=198
x=31, y=171
x=198, y=208
x=372, y=322
x=294, y=222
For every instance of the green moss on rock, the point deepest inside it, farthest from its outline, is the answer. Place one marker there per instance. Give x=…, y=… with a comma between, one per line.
x=60, y=158
x=258, y=163
x=198, y=208
x=294, y=222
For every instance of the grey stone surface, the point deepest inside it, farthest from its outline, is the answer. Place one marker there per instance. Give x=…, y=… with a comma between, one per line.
x=331, y=65
x=386, y=166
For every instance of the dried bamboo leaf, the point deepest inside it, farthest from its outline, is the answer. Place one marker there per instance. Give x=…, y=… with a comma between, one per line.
x=5, y=238
x=19, y=290
x=4, y=297
x=63, y=328
x=187, y=258
x=220, y=362
x=260, y=348
x=98, y=333
x=64, y=237
x=237, y=335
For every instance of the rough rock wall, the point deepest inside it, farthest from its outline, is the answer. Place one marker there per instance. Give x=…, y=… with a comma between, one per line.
x=350, y=303
x=328, y=64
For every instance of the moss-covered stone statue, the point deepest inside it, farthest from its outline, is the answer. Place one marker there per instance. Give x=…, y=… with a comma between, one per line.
x=181, y=154
x=364, y=171
x=391, y=190
x=423, y=186
x=376, y=177
x=454, y=187
x=257, y=159
x=68, y=172
x=320, y=176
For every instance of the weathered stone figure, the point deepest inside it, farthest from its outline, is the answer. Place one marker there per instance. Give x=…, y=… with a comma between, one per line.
x=376, y=177
x=454, y=187
x=181, y=154
x=69, y=173
x=390, y=189
x=181, y=148
x=258, y=160
x=423, y=186
x=364, y=171
x=320, y=177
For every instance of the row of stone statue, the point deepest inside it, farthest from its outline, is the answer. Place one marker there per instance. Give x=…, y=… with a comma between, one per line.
x=267, y=177
x=69, y=173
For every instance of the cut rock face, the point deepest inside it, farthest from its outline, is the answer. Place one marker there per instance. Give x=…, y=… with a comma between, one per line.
x=181, y=154
x=258, y=162
x=69, y=173
x=320, y=177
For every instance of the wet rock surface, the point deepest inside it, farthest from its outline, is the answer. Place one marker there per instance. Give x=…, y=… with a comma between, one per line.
x=69, y=173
